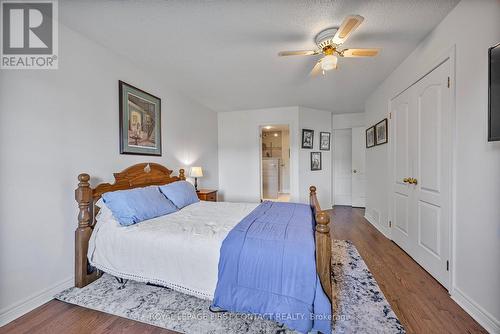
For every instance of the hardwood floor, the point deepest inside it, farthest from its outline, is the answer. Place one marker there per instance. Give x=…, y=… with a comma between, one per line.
x=422, y=304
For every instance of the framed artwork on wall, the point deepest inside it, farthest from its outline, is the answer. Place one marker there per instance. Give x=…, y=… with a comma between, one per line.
x=315, y=160
x=140, y=121
x=494, y=93
x=370, y=137
x=381, y=132
x=307, y=138
x=324, y=141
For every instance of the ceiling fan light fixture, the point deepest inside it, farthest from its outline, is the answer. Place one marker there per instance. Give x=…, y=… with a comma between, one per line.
x=329, y=63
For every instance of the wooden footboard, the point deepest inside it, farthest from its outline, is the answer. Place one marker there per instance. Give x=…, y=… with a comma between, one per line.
x=323, y=243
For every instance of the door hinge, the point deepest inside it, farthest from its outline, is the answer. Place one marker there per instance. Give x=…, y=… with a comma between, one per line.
x=390, y=115
x=447, y=265
x=449, y=82
x=390, y=223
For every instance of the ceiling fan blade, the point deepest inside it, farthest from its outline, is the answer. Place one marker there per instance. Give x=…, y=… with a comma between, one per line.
x=317, y=70
x=299, y=53
x=354, y=53
x=346, y=29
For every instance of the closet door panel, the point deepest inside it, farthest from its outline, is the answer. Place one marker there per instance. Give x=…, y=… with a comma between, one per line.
x=429, y=138
x=401, y=195
x=432, y=169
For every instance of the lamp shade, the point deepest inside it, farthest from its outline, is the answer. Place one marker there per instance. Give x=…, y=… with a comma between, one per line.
x=196, y=172
x=329, y=63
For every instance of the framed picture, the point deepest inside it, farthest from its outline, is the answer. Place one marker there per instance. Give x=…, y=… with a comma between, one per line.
x=324, y=141
x=315, y=160
x=494, y=93
x=307, y=138
x=370, y=137
x=381, y=132
x=140, y=121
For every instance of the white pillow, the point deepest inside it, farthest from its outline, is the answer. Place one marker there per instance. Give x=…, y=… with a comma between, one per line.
x=104, y=212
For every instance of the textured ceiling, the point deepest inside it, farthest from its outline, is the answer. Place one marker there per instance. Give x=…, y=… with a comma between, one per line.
x=224, y=53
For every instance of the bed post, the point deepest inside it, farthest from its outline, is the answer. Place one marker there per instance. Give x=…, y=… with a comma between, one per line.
x=323, y=243
x=83, y=195
x=181, y=174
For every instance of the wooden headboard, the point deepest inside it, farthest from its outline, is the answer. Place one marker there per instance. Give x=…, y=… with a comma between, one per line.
x=140, y=175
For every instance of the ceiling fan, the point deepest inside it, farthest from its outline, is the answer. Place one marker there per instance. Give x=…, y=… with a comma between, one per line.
x=329, y=42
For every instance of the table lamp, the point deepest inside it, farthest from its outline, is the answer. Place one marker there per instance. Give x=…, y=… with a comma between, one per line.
x=196, y=172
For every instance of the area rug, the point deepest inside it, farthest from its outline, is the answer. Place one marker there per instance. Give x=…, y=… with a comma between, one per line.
x=360, y=306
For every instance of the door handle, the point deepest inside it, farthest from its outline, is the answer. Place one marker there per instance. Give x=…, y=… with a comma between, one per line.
x=410, y=180
x=354, y=171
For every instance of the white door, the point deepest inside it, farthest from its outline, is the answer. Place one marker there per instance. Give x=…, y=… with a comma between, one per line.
x=422, y=152
x=358, y=167
x=432, y=170
x=401, y=192
x=343, y=166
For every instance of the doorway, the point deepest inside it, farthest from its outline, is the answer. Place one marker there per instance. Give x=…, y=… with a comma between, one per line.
x=349, y=167
x=275, y=163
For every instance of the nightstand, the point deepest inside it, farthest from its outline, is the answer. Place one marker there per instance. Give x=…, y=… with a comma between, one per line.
x=207, y=195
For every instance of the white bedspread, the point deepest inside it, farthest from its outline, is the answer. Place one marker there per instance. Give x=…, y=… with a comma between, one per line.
x=179, y=250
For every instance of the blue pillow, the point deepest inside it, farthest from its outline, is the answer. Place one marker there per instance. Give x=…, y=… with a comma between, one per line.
x=181, y=193
x=136, y=205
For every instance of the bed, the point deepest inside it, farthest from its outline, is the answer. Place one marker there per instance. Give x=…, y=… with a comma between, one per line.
x=190, y=239
x=197, y=245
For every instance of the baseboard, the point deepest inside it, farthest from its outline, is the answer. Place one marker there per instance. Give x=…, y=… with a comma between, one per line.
x=13, y=312
x=375, y=224
x=483, y=317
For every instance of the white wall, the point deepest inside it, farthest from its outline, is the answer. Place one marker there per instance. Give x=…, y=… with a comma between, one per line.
x=472, y=27
x=285, y=156
x=57, y=124
x=348, y=121
x=319, y=121
x=239, y=177
x=239, y=160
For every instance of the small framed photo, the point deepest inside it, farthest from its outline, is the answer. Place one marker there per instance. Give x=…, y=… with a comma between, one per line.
x=370, y=137
x=324, y=141
x=140, y=121
x=307, y=138
x=315, y=160
x=381, y=132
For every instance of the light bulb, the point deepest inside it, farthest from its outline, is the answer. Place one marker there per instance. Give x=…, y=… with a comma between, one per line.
x=329, y=63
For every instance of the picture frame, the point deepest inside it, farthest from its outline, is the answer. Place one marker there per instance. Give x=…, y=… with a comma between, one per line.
x=315, y=161
x=493, y=93
x=307, y=138
x=140, y=121
x=370, y=137
x=381, y=132
x=324, y=141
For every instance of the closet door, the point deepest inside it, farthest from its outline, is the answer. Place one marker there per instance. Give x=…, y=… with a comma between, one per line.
x=402, y=230
x=421, y=185
x=432, y=170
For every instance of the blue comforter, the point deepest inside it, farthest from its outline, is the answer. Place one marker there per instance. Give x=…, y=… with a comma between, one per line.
x=267, y=267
